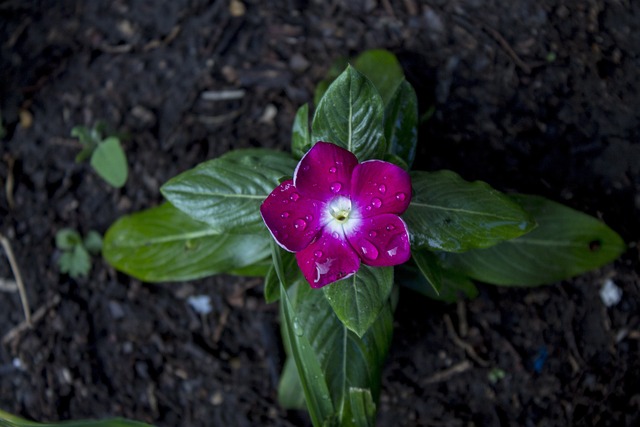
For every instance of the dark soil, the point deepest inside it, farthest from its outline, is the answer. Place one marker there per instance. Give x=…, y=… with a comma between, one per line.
x=531, y=96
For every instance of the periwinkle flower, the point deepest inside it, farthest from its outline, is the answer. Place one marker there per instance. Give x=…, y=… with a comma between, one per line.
x=337, y=213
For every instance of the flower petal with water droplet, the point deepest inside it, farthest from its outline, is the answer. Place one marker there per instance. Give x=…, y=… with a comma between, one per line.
x=292, y=225
x=367, y=180
x=313, y=177
x=381, y=240
x=327, y=260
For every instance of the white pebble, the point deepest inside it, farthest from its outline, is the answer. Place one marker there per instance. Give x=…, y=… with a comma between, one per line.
x=610, y=293
x=200, y=303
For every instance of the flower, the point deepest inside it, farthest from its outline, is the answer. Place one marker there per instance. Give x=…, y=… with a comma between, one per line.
x=337, y=213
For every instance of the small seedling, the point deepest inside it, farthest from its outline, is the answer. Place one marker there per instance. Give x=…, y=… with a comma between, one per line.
x=75, y=259
x=106, y=153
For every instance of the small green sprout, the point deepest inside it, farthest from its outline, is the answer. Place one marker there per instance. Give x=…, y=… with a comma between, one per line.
x=75, y=259
x=495, y=375
x=106, y=153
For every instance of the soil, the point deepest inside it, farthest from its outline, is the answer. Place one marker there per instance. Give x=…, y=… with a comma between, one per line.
x=531, y=96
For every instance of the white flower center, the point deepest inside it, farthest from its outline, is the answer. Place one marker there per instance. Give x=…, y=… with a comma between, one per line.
x=340, y=208
x=341, y=215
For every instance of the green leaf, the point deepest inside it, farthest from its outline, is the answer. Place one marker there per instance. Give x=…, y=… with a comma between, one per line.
x=257, y=269
x=401, y=123
x=310, y=373
x=272, y=282
x=9, y=420
x=164, y=244
x=336, y=69
x=351, y=115
x=450, y=214
x=290, y=393
x=227, y=192
x=453, y=285
x=382, y=68
x=363, y=407
x=67, y=238
x=396, y=160
x=565, y=244
x=110, y=162
x=84, y=135
x=300, y=134
x=429, y=267
x=76, y=262
x=357, y=300
x=93, y=242
x=347, y=361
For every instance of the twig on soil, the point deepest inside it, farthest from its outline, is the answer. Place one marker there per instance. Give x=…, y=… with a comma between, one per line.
x=16, y=273
x=463, y=344
x=507, y=48
x=222, y=323
x=412, y=8
x=444, y=375
x=37, y=316
x=463, y=327
x=8, y=186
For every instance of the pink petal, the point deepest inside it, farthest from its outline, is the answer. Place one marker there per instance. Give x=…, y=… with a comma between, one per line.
x=325, y=172
x=328, y=259
x=293, y=219
x=381, y=240
x=379, y=187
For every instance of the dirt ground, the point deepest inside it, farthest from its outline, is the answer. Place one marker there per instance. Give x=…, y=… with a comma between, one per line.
x=531, y=96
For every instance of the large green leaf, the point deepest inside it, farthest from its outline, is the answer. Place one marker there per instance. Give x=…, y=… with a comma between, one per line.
x=566, y=243
x=347, y=361
x=164, y=244
x=110, y=162
x=272, y=281
x=300, y=134
x=9, y=420
x=226, y=192
x=401, y=123
x=382, y=68
x=357, y=300
x=362, y=407
x=453, y=285
x=450, y=214
x=351, y=115
x=429, y=266
x=297, y=342
x=290, y=393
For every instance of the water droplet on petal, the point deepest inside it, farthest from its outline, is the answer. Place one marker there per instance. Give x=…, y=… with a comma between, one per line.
x=309, y=217
x=300, y=224
x=369, y=251
x=335, y=235
x=373, y=234
x=336, y=186
x=317, y=254
x=401, y=196
x=382, y=188
x=393, y=251
x=391, y=227
x=368, y=208
x=294, y=196
x=376, y=203
x=332, y=170
x=285, y=215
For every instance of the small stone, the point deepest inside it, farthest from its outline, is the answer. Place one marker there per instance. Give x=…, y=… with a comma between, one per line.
x=298, y=63
x=200, y=303
x=237, y=8
x=217, y=398
x=610, y=293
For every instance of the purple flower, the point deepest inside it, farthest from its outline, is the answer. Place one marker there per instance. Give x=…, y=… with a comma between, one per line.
x=336, y=213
